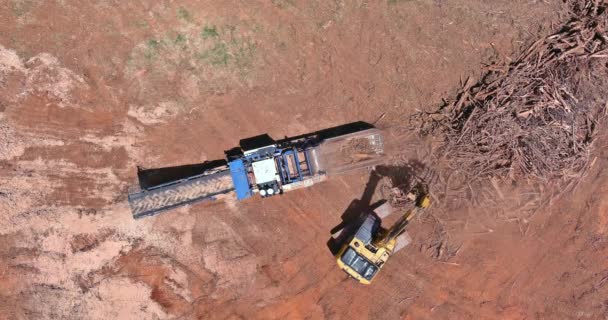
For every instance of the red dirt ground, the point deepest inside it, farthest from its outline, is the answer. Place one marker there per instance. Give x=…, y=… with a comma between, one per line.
x=88, y=91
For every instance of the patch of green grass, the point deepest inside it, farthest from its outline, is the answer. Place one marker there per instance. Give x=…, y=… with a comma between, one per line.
x=257, y=28
x=142, y=24
x=228, y=49
x=183, y=14
x=231, y=29
x=152, y=47
x=236, y=52
x=209, y=31
x=243, y=52
x=180, y=39
x=153, y=44
x=218, y=46
x=391, y=2
x=218, y=55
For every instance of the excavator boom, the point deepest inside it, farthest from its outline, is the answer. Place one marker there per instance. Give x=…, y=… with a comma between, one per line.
x=399, y=226
x=362, y=256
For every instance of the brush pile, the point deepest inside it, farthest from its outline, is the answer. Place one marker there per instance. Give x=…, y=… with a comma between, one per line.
x=537, y=115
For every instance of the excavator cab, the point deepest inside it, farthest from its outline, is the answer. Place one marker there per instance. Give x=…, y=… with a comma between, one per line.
x=369, y=248
x=356, y=257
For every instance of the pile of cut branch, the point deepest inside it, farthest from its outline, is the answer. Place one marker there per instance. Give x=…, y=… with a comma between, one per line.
x=536, y=116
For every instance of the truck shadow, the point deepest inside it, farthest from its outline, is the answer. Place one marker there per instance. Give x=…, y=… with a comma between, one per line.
x=149, y=178
x=404, y=177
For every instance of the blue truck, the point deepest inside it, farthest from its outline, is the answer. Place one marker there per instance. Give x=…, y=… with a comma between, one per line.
x=261, y=166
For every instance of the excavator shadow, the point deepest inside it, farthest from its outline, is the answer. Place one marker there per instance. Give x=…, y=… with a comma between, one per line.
x=405, y=178
x=352, y=218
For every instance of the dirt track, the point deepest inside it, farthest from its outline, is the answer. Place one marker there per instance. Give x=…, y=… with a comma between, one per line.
x=90, y=91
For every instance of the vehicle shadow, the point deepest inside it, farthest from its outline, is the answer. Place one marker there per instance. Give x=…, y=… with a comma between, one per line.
x=404, y=178
x=150, y=178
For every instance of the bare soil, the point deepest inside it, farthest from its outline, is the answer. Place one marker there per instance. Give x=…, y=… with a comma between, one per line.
x=90, y=90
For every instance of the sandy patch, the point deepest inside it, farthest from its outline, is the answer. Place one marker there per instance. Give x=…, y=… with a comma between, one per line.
x=9, y=62
x=43, y=74
x=156, y=113
x=120, y=299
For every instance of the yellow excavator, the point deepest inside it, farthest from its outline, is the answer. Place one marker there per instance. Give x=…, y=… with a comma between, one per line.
x=369, y=248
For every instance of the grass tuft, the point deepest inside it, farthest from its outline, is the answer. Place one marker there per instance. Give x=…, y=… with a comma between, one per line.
x=209, y=31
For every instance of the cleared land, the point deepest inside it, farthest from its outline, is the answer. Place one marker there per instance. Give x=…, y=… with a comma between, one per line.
x=90, y=90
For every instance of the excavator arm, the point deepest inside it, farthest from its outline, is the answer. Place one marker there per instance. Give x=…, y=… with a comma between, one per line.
x=363, y=253
x=398, y=228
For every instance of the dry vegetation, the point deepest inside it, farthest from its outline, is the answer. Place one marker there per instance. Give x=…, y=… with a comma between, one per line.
x=536, y=116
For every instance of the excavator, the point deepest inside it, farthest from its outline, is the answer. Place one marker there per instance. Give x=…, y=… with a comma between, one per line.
x=366, y=250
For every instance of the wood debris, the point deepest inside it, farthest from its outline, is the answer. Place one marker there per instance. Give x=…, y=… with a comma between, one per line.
x=536, y=116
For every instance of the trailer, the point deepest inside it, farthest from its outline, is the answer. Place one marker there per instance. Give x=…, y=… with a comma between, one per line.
x=260, y=166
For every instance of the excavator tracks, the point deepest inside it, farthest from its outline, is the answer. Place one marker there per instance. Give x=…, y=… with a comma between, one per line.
x=150, y=202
